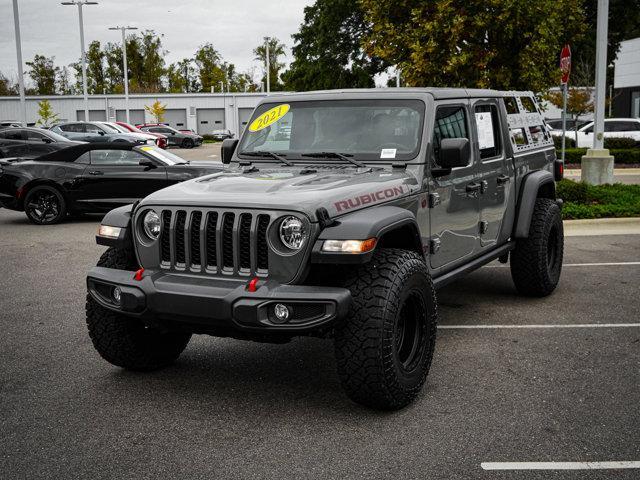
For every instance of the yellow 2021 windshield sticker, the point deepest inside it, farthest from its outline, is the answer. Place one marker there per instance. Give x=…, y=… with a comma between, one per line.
x=269, y=117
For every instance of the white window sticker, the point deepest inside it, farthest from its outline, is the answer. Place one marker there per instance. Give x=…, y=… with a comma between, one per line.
x=485, y=130
x=388, y=153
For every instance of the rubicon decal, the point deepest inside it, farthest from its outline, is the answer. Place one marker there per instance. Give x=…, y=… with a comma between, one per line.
x=374, y=197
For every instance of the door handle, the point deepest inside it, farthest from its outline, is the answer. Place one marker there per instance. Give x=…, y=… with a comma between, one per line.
x=95, y=172
x=473, y=187
x=502, y=179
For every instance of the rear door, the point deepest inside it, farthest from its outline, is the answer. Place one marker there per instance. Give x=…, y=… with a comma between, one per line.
x=455, y=214
x=12, y=143
x=115, y=177
x=494, y=169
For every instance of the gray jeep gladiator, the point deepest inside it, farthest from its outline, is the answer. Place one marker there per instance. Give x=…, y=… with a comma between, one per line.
x=343, y=228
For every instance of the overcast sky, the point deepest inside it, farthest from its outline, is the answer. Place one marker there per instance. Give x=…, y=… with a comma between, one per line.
x=234, y=27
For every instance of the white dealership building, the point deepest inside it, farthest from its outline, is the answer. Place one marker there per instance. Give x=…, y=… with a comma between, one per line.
x=201, y=112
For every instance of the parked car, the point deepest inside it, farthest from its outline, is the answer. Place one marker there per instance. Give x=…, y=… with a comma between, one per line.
x=613, y=128
x=27, y=142
x=98, y=132
x=222, y=134
x=345, y=232
x=555, y=125
x=91, y=177
x=9, y=123
x=187, y=130
x=161, y=139
x=174, y=137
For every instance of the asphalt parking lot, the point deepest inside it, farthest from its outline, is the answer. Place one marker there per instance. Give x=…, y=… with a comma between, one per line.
x=232, y=409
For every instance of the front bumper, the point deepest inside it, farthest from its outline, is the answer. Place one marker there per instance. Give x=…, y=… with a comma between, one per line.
x=217, y=303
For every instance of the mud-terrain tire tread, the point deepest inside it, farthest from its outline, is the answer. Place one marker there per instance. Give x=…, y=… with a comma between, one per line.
x=124, y=341
x=364, y=341
x=529, y=270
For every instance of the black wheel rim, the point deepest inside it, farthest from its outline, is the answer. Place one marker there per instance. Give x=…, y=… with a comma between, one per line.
x=552, y=248
x=43, y=206
x=410, y=332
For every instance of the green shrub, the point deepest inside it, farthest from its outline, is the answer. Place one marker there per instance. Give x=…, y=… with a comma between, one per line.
x=624, y=156
x=208, y=138
x=620, y=143
x=598, y=201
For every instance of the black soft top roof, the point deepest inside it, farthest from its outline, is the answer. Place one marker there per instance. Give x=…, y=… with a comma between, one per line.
x=70, y=154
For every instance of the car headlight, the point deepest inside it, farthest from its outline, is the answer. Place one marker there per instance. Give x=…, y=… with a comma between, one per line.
x=292, y=232
x=151, y=224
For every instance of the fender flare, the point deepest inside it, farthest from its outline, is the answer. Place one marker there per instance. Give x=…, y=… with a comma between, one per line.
x=364, y=224
x=118, y=217
x=531, y=188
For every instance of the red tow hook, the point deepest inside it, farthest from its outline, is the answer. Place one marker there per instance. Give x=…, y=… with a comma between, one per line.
x=253, y=285
x=138, y=275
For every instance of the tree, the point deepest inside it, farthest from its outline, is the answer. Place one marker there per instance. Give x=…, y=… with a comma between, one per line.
x=473, y=43
x=156, y=110
x=209, y=63
x=7, y=87
x=47, y=116
x=63, y=83
x=328, y=52
x=276, y=50
x=43, y=73
x=182, y=76
x=579, y=102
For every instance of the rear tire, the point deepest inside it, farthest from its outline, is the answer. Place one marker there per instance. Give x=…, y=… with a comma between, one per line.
x=536, y=262
x=384, y=348
x=45, y=205
x=126, y=341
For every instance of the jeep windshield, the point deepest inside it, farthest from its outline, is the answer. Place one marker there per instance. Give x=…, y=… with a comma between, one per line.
x=368, y=130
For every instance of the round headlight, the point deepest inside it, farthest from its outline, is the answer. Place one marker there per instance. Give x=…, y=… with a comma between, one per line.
x=151, y=223
x=292, y=233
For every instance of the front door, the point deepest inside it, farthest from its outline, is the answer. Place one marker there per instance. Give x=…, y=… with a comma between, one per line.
x=494, y=173
x=115, y=177
x=454, y=212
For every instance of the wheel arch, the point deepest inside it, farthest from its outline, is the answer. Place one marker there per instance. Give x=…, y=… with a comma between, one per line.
x=39, y=182
x=538, y=184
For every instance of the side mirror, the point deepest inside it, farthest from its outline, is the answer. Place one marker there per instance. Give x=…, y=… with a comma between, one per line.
x=147, y=163
x=454, y=152
x=100, y=132
x=228, y=147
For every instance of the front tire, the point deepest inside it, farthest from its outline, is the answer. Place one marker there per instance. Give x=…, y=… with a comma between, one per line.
x=384, y=348
x=45, y=205
x=187, y=143
x=536, y=262
x=125, y=341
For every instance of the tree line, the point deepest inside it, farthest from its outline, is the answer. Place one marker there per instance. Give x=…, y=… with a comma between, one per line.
x=346, y=44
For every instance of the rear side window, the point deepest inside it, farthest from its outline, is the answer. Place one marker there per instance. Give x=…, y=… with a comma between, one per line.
x=528, y=104
x=519, y=137
x=488, y=127
x=72, y=127
x=12, y=134
x=511, y=105
x=451, y=122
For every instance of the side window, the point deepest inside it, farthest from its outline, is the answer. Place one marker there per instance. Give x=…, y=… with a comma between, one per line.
x=488, y=127
x=511, y=105
x=519, y=137
x=74, y=127
x=85, y=158
x=35, y=136
x=90, y=128
x=528, y=104
x=13, y=134
x=125, y=158
x=451, y=122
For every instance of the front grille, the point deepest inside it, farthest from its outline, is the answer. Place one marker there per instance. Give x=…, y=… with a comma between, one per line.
x=215, y=242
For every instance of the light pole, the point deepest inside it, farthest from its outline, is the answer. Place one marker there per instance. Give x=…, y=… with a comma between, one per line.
x=80, y=3
x=23, y=106
x=597, y=164
x=126, y=71
x=266, y=57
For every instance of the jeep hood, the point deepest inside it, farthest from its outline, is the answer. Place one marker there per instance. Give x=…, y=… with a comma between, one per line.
x=339, y=189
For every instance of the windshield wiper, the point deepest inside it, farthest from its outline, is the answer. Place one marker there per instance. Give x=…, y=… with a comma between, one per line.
x=260, y=153
x=342, y=156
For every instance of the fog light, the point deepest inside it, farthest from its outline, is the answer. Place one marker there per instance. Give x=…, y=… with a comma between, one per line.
x=281, y=312
x=116, y=294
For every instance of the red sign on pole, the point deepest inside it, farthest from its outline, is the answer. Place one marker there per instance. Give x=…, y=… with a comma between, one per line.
x=565, y=63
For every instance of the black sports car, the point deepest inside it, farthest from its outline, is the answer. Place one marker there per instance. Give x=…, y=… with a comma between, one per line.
x=28, y=142
x=91, y=178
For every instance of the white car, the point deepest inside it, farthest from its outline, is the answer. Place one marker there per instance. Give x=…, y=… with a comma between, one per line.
x=613, y=128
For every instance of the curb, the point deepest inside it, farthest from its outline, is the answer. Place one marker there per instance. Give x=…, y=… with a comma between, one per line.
x=602, y=226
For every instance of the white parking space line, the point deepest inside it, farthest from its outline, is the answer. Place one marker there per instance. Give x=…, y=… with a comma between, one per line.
x=575, y=325
x=559, y=465
x=599, y=264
